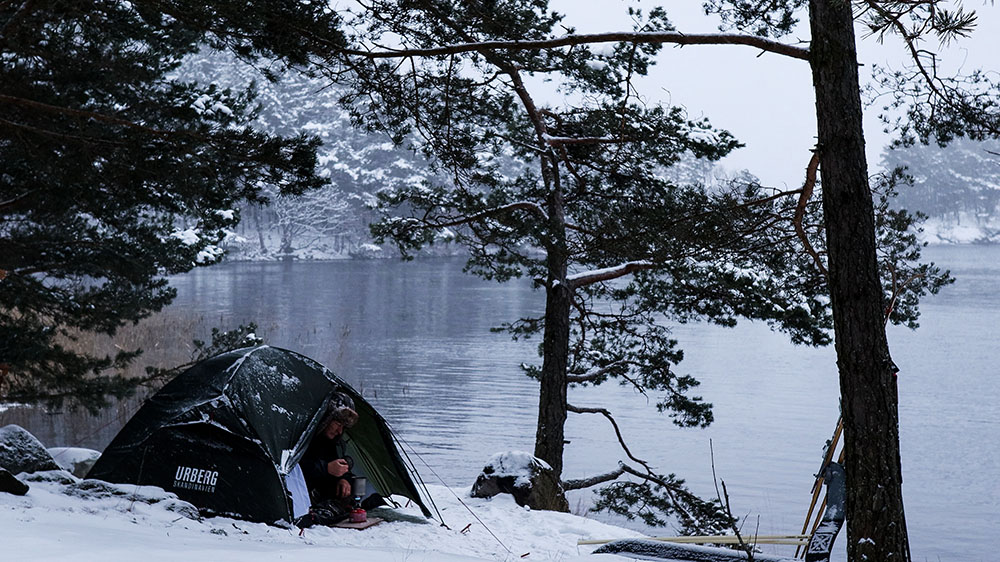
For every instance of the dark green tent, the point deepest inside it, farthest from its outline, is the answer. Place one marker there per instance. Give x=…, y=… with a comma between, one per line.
x=225, y=434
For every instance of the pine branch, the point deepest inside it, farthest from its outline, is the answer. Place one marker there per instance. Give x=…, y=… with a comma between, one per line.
x=592, y=376
x=570, y=141
x=607, y=274
x=47, y=108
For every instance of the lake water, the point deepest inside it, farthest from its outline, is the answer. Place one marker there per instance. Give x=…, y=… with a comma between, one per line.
x=415, y=339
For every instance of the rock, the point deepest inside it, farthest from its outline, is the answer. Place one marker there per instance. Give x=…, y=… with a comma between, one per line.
x=10, y=484
x=57, y=476
x=529, y=479
x=21, y=452
x=75, y=459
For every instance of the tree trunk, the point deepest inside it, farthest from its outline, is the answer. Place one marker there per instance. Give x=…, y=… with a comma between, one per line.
x=876, y=527
x=550, y=435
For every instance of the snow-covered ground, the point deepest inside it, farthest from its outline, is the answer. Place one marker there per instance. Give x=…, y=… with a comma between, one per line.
x=62, y=518
x=938, y=231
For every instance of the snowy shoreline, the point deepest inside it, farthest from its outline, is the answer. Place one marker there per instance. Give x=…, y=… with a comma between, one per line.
x=933, y=235
x=63, y=518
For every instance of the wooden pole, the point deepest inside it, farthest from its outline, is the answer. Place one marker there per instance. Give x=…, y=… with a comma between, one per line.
x=818, y=484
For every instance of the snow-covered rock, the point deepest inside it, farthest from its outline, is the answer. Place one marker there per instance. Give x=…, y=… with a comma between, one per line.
x=76, y=460
x=529, y=479
x=20, y=451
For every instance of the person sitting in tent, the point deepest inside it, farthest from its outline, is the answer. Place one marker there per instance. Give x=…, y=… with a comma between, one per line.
x=325, y=466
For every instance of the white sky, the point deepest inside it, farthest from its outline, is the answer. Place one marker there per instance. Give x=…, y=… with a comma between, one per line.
x=766, y=100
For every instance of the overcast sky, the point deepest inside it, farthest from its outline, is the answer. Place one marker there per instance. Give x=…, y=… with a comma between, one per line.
x=766, y=100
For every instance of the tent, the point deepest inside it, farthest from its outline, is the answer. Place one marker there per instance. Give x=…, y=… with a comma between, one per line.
x=228, y=433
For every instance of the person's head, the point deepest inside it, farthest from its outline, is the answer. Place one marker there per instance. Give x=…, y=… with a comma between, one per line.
x=340, y=415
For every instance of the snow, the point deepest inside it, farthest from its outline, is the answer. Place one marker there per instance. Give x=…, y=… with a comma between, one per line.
x=210, y=254
x=68, y=457
x=4, y=406
x=519, y=464
x=607, y=271
x=967, y=231
x=188, y=236
x=63, y=518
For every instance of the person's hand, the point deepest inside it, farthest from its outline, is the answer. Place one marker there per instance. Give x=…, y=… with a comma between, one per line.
x=337, y=467
x=343, y=489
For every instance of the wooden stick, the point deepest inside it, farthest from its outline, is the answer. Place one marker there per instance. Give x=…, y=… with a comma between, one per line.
x=819, y=519
x=818, y=484
x=718, y=539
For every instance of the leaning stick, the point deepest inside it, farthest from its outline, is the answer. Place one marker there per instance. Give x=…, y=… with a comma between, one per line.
x=822, y=507
x=818, y=484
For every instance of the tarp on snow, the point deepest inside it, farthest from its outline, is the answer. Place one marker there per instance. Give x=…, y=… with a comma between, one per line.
x=225, y=434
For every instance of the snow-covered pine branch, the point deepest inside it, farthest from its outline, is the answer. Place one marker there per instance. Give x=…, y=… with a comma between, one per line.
x=606, y=274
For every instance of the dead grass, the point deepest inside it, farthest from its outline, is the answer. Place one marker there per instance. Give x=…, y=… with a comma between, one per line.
x=166, y=340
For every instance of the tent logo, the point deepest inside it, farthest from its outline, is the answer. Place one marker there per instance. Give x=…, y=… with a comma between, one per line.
x=197, y=479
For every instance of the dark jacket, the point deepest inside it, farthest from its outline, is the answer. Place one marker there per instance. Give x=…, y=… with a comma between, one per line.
x=322, y=485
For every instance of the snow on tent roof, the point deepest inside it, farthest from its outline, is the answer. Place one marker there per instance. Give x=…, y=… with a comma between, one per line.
x=223, y=435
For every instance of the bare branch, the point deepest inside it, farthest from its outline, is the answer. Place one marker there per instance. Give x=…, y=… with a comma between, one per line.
x=582, y=483
x=4, y=205
x=800, y=211
x=635, y=37
x=724, y=502
x=523, y=205
x=618, y=431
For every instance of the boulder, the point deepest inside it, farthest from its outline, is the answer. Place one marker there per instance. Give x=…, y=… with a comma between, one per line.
x=75, y=459
x=21, y=452
x=10, y=484
x=529, y=479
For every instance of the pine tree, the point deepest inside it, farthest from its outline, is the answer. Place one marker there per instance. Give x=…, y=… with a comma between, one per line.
x=577, y=195
x=114, y=175
x=612, y=234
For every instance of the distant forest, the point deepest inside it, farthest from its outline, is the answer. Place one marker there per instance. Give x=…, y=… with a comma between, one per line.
x=324, y=223
x=957, y=185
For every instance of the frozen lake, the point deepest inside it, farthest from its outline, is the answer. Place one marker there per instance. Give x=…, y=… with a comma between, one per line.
x=414, y=338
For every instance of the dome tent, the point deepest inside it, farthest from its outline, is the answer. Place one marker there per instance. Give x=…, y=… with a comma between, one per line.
x=225, y=434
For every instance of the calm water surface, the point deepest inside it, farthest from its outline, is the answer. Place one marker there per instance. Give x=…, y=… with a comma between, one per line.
x=415, y=339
